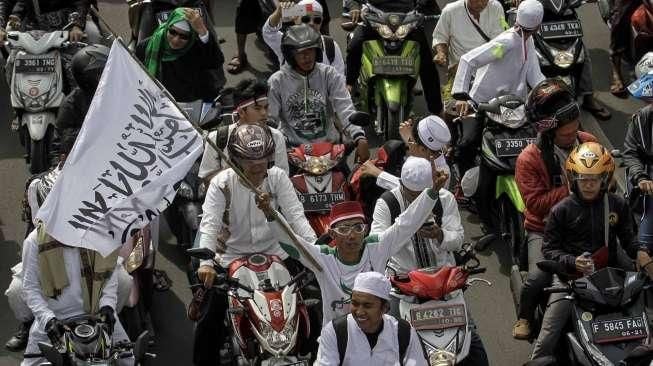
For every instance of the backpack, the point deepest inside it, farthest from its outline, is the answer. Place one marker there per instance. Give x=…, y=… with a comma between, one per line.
x=403, y=335
x=329, y=48
x=395, y=210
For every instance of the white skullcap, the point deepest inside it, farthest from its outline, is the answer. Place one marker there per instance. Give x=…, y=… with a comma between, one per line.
x=182, y=25
x=433, y=132
x=416, y=174
x=529, y=14
x=373, y=283
x=315, y=6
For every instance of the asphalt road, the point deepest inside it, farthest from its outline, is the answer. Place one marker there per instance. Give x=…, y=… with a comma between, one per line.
x=492, y=307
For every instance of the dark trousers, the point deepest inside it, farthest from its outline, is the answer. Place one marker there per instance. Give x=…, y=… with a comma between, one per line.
x=485, y=201
x=468, y=145
x=477, y=355
x=427, y=73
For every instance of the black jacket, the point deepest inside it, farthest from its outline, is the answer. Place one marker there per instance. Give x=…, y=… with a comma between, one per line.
x=73, y=111
x=25, y=8
x=427, y=7
x=193, y=75
x=6, y=7
x=638, y=146
x=575, y=226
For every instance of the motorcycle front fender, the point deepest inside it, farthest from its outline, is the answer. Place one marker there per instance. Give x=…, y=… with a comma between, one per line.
x=393, y=91
x=507, y=184
x=37, y=123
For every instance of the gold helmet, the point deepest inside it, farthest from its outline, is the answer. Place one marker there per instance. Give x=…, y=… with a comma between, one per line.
x=589, y=160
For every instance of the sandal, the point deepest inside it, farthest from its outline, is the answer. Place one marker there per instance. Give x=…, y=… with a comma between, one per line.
x=161, y=280
x=618, y=89
x=237, y=64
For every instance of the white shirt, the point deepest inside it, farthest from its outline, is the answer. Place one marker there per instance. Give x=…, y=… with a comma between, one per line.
x=337, y=278
x=249, y=230
x=455, y=27
x=452, y=233
x=272, y=37
x=211, y=161
x=359, y=353
x=499, y=67
x=70, y=302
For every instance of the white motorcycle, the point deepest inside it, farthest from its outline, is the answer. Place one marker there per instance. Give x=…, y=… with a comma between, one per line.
x=432, y=300
x=37, y=89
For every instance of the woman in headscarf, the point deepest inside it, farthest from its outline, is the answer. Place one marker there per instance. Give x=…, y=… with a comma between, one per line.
x=184, y=56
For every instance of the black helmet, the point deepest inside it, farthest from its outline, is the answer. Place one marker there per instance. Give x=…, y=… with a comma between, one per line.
x=251, y=142
x=551, y=104
x=87, y=65
x=298, y=38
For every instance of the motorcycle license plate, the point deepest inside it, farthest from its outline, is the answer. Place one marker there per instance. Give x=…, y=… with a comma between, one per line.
x=438, y=317
x=511, y=147
x=162, y=16
x=320, y=201
x=393, y=65
x=35, y=65
x=569, y=28
x=620, y=329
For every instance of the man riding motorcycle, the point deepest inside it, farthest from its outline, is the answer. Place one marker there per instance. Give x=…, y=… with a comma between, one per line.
x=6, y=7
x=251, y=104
x=354, y=251
x=305, y=94
x=427, y=73
x=575, y=234
x=182, y=54
x=272, y=32
x=433, y=245
x=232, y=226
x=553, y=110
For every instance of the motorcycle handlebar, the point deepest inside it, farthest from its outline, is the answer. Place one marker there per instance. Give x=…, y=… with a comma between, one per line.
x=476, y=270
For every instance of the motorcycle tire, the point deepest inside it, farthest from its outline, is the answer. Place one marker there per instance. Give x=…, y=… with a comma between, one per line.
x=392, y=124
x=39, y=154
x=511, y=223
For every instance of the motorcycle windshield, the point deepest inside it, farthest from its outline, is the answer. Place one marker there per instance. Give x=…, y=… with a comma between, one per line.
x=609, y=282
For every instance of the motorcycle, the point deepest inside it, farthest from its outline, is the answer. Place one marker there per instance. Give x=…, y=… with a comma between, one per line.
x=87, y=341
x=37, y=90
x=390, y=67
x=609, y=323
x=318, y=182
x=432, y=300
x=146, y=15
x=559, y=42
x=267, y=316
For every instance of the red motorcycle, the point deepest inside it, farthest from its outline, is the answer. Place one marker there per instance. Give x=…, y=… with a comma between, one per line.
x=267, y=315
x=319, y=183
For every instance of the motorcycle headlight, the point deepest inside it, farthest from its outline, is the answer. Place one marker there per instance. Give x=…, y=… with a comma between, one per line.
x=384, y=31
x=442, y=358
x=563, y=59
x=278, y=340
x=185, y=191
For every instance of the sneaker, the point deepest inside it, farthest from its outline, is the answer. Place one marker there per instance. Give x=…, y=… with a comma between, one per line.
x=19, y=340
x=521, y=329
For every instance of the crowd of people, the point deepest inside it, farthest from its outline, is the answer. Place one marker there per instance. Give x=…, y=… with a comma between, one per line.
x=566, y=178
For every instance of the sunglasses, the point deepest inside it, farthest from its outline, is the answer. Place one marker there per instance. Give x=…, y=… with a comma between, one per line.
x=182, y=36
x=346, y=230
x=307, y=19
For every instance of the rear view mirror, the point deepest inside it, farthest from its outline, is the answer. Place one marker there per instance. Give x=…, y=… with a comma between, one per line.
x=361, y=119
x=201, y=253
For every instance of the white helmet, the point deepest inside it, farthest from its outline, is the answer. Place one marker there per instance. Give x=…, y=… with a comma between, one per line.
x=529, y=14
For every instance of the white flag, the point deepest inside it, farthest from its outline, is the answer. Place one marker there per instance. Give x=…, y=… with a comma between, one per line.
x=133, y=147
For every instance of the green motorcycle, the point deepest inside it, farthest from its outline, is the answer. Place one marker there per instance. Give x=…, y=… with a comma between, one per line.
x=389, y=68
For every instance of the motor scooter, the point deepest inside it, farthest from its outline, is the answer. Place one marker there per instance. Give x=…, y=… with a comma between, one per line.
x=267, y=315
x=432, y=300
x=390, y=67
x=37, y=90
x=609, y=322
x=87, y=341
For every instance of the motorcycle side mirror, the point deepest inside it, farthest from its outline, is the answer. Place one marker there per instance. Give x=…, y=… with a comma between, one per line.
x=360, y=119
x=51, y=354
x=140, y=346
x=201, y=253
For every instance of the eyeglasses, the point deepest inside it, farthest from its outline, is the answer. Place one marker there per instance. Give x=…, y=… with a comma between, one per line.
x=307, y=19
x=182, y=36
x=345, y=230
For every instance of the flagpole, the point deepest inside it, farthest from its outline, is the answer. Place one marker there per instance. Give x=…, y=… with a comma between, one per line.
x=284, y=225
